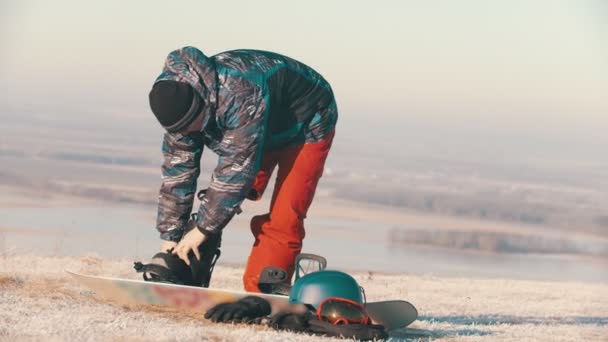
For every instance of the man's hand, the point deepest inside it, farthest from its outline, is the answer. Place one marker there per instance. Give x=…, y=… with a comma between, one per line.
x=189, y=242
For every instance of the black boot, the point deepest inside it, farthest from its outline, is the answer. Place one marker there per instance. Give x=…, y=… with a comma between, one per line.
x=274, y=280
x=166, y=268
x=209, y=251
x=169, y=268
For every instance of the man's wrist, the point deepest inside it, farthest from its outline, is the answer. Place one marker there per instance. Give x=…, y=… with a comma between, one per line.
x=206, y=232
x=174, y=235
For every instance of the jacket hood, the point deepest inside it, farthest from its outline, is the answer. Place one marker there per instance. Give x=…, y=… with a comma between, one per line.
x=190, y=65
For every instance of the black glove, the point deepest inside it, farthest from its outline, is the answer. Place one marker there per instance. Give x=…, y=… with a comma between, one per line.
x=357, y=331
x=245, y=309
x=291, y=321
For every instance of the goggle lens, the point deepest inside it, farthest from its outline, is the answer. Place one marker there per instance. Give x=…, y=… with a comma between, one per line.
x=342, y=311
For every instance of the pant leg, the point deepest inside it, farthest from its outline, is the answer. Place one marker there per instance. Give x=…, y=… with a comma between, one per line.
x=279, y=234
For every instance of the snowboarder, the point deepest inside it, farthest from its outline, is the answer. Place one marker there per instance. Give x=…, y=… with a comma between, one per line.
x=257, y=111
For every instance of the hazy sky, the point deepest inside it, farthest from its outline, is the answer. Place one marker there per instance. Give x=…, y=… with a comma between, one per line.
x=509, y=64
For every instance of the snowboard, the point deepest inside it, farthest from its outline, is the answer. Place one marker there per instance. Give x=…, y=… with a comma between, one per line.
x=392, y=314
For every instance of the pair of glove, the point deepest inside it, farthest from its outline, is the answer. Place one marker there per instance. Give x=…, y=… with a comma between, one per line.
x=252, y=309
x=245, y=310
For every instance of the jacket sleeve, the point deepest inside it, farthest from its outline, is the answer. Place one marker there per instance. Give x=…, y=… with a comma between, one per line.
x=180, y=171
x=235, y=172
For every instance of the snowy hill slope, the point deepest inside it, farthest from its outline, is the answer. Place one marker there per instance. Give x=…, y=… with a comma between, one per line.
x=39, y=301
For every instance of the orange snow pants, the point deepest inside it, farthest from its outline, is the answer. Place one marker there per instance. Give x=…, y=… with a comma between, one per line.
x=279, y=233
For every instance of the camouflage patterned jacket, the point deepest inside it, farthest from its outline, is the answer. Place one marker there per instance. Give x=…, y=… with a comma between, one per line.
x=255, y=101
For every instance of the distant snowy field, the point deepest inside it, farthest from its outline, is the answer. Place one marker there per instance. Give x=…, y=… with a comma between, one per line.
x=38, y=301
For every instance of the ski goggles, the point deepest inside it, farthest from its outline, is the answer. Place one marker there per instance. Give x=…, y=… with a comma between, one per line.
x=342, y=311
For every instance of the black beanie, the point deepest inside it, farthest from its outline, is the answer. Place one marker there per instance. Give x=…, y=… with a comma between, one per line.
x=175, y=104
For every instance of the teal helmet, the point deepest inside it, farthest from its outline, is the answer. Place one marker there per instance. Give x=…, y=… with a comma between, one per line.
x=314, y=287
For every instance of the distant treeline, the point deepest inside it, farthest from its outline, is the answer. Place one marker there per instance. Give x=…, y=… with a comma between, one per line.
x=457, y=204
x=106, y=194
x=99, y=192
x=480, y=204
x=498, y=242
x=101, y=159
x=4, y=152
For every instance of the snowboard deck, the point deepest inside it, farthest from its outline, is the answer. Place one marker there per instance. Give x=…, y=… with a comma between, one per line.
x=392, y=314
x=187, y=298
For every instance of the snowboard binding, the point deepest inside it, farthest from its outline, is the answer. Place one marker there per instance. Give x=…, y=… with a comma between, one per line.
x=166, y=268
x=275, y=280
x=169, y=268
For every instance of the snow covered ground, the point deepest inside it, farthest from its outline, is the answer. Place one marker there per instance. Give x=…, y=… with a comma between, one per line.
x=38, y=301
